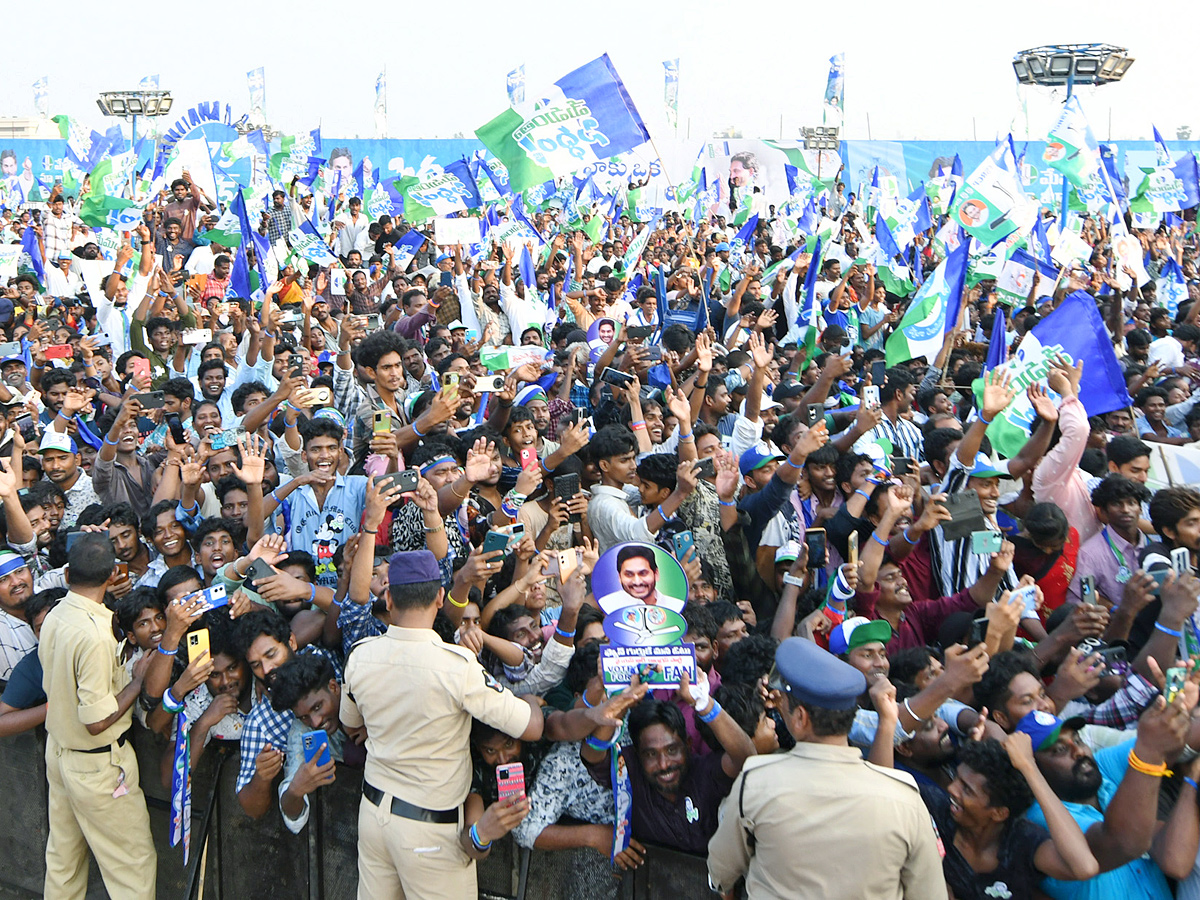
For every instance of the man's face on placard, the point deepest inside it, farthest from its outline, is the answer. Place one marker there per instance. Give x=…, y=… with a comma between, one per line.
x=639, y=578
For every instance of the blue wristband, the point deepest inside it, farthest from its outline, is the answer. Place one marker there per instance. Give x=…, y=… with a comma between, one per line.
x=167, y=652
x=479, y=845
x=312, y=593
x=569, y=635
x=665, y=517
x=721, y=502
x=878, y=540
x=985, y=421
x=788, y=461
x=1165, y=630
x=106, y=440
x=709, y=716
x=1190, y=781
x=904, y=534
x=417, y=432
x=600, y=746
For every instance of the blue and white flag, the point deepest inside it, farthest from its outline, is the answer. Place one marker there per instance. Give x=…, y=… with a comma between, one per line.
x=671, y=90
x=1160, y=148
x=41, y=96
x=408, y=247
x=589, y=117
x=380, y=110
x=1038, y=241
x=148, y=83
x=307, y=244
x=256, y=81
x=887, y=243
x=933, y=312
x=1171, y=286
x=744, y=239
x=516, y=86
x=835, y=86
x=1076, y=331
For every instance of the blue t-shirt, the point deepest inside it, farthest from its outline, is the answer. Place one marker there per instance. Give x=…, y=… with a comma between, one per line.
x=1140, y=879
x=320, y=531
x=24, y=688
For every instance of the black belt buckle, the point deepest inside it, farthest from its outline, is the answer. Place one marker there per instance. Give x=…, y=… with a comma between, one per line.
x=406, y=810
x=108, y=747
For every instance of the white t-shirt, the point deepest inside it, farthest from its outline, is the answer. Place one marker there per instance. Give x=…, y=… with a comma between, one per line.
x=1166, y=351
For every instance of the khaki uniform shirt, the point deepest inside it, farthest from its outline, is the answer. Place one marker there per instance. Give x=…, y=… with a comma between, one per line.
x=81, y=673
x=417, y=695
x=870, y=834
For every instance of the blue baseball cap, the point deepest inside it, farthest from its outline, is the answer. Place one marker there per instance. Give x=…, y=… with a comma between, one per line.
x=724, y=245
x=755, y=457
x=1043, y=728
x=985, y=468
x=326, y=356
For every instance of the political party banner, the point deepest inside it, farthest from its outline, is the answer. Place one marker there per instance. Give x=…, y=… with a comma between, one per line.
x=436, y=194
x=751, y=176
x=636, y=574
x=1075, y=331
x=584, y=116
x=659, y=667
x=933, y=312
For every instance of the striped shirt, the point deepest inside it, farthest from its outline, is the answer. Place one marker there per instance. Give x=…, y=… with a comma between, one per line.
x=905, y=437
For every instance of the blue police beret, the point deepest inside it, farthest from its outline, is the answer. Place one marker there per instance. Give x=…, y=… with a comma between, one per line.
x=816, y=677
x=413, y=567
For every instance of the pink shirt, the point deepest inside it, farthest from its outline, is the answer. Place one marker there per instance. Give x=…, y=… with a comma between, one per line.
x=1058, y=478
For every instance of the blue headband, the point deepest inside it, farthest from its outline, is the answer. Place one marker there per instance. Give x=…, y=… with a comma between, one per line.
x=10, y=562
x=434, y=463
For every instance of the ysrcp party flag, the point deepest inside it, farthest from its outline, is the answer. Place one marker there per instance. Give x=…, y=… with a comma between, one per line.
x=589, y=116
x=308, y=244
x=1166, y=188
x=933, y=311
x=671, y=90
x=256, y=81
x=835, y=86
x=1070, y=147
x=992, y=203
x=1016, y=278
x=228, y=231
x=1076, y=331
x=634, y=254
x=103, y=196
x=1172, y=286
x=515, y=82
x=426, y=197
x=41, y=96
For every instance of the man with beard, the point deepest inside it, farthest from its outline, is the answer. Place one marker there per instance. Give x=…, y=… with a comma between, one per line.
x=16, y=587
x=131, y=553
x=675, y=796
x=265, y=641
x=1113, y=795
x=329, y=328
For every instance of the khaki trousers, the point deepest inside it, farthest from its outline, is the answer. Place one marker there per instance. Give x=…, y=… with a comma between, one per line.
x=84, y=813
x=402, y=859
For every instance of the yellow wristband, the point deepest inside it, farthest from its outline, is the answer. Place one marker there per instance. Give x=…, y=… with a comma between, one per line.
x=454, y=602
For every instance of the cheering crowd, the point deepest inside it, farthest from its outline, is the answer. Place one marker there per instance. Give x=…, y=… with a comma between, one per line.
x=968, y=676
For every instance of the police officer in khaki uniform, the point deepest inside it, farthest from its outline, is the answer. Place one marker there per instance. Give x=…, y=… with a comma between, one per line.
x=416, y=696
x=95, y=797
x=866, y=828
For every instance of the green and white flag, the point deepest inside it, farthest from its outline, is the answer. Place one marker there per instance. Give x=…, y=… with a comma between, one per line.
x=430, y=196
x=992, y=203
x=933, y=311
x=104, y=195
x=1070, y=147
x=309, y=246
x=227, y=232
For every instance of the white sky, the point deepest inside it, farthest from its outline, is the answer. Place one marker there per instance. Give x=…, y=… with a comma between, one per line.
x=919, y=71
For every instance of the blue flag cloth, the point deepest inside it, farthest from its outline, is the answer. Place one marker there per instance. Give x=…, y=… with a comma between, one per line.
x=239, y=276
x=1039, y=242
x=30, y=245
x=1172, y=286
x=810, y=219
x=1160, y=146
x=314, y=169
x=528, y=273
x=469, y=192
x=997, y=354
x=1076, y=329
x=811, y=308
x=1115, y=180
x=660, y=288
x=337, y=188
x=744, y=239
x=883, y=234
x=315, y=134
x=408, y=247
x=956, y=167
x=922, y=221
x=1187, y=171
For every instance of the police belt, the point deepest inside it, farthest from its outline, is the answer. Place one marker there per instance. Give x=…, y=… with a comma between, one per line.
x=406, y=810
x=120, y=742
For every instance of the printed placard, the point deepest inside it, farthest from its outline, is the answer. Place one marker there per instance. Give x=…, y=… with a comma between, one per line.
x=662, y=667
